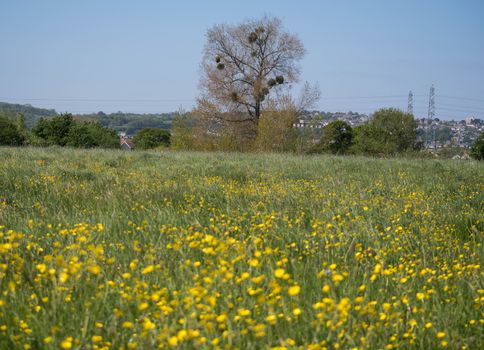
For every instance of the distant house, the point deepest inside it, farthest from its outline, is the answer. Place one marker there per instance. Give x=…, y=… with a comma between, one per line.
x=126, y=143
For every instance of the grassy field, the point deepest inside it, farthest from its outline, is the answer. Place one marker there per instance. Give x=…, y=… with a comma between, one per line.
x=112, y=250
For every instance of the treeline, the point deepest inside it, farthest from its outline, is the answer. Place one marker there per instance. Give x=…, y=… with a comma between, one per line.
x=60, y=130
x=129, y=123
x=389, y=132
x=30, y=114
x=65, y=130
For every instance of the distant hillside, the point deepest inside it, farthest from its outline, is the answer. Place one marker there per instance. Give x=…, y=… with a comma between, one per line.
x=129, y=123
x=31, y=114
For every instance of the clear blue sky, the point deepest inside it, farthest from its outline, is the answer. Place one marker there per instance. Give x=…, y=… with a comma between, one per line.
x=91, y=55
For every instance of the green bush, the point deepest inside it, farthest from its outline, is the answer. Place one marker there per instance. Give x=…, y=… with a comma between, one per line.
x=91, y=135
x=337, y=138
x=477, y=150
x=182, y=132
x=390, y=131
x=54, y=130
x=148, y=138
x=10, y=135
x=63, y=130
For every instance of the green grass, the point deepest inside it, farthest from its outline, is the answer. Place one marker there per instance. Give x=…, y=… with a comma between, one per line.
x=397, y=243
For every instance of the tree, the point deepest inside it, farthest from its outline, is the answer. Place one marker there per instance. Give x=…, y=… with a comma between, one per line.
x=477, y=150
x=337, y=138
x=30, y=113
x=20, y=123
x=182, y=131
x=54, y=130
x=91, y=135
x=151, y=138
x=64, y=131
x=106, y=137
x=81, y=137
x=242, y=65
x=9, y=133
x=389, y=131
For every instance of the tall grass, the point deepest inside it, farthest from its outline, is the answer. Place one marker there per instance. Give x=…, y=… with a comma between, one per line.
x=110, y=249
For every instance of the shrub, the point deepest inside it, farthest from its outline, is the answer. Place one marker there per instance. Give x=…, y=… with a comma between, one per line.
x=64, y=131
x=10, y=135
x=182, y=132
x=148, y=138
x=91, y=135
x=54, y=130
x=477, y=150
x=337, y=138
x=389, y=131
x=276, y=132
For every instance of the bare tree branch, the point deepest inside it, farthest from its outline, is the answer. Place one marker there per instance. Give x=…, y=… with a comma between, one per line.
x=242, y=64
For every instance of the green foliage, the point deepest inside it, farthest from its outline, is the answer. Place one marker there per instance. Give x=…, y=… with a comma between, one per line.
x=304, y=141
x=36, y=141
x=20, y=123
x=130, y=123
x=275, y=131
x=449, y=152
x=389, y=131
x=151, y=138
x=182, y=132
x=477, y=150
x=337, y=138
x=80, y=136
x=31, y=114
x=366, y=141
x=10, y=135
x=91, y=135
x=119, y=121
x=443, y=134
x=437, y=133
x=63, y=130
x=54, y=130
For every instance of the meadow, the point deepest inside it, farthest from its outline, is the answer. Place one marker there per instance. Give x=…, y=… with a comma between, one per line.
x=106, y=249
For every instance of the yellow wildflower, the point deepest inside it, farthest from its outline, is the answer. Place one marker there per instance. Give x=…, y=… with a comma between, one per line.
x=294, y=290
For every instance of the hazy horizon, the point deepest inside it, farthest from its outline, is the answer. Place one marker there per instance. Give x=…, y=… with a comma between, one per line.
x=144, y=56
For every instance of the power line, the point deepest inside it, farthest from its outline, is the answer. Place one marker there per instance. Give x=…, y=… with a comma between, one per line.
x=363, y=97
x=460, y=110
x=193, y=99
x=461, y=106
x=462, y=98
x=96, y=100
x=378, y=101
